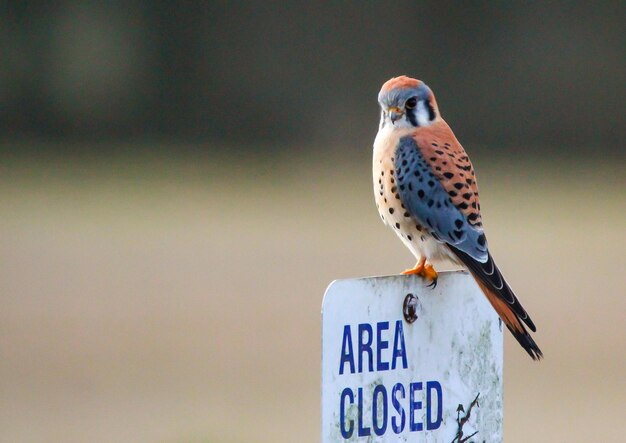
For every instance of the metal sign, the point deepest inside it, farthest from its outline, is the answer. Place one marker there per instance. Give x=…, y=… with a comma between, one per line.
x=403, y=362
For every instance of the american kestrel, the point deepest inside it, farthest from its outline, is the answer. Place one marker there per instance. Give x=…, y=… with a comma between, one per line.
x=426, y=191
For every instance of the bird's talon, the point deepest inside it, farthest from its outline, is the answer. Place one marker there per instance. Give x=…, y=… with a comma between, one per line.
x=424, y=270
x=429, y=273
x=417, y=270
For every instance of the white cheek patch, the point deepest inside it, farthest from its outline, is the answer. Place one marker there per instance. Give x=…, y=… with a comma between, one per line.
x=422, y=114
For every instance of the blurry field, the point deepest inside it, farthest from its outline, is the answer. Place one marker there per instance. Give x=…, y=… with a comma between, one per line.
x=149, y=300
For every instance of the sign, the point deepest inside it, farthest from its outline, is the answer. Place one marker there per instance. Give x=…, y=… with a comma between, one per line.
x=405, y=362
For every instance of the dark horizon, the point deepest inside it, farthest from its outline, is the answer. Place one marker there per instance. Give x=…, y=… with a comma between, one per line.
x=257, y=73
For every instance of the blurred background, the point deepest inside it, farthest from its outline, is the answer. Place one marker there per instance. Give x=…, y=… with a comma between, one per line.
x=180, y=181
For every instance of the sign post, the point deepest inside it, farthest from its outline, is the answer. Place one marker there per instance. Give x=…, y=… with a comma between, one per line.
x=404, y=362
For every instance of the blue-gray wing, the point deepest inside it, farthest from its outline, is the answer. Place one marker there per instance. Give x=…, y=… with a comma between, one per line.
x=426, y=199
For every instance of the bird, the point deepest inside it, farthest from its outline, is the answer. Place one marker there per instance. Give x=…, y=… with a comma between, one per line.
x=426, y=191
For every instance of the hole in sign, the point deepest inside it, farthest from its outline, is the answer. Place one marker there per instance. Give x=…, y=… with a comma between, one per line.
x=411, y=307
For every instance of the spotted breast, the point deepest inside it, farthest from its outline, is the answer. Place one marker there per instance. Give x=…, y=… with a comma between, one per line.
x=391, y=182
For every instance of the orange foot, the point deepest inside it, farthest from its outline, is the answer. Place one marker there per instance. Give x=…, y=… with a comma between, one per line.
x=425, y=271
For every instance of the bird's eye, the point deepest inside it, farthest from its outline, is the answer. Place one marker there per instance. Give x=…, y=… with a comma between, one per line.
x=411, y=103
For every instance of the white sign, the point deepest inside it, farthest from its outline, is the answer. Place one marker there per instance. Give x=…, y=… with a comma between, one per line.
x=404, y=362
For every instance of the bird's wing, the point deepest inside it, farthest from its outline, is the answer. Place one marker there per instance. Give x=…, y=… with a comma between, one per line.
x=451, y=165
x=437, y=185
x=437, y=190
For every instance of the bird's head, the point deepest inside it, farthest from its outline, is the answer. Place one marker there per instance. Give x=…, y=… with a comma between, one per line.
x=407, y=103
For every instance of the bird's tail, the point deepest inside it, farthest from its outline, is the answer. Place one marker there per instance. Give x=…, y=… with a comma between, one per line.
x=503, y=300
x=512, y=321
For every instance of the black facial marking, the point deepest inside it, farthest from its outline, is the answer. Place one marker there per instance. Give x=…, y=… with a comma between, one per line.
x=431, y=110
x=391, y=210
x=411, y=117
x=458, y=185
x=420, y=193
x=458, y=223
x=467, y=195
x=448, y=174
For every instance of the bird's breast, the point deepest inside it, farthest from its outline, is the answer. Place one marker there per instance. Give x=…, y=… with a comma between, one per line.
x=383, y=170
x=390, y=206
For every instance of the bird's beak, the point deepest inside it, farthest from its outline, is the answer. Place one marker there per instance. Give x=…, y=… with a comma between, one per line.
x=395, y=113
